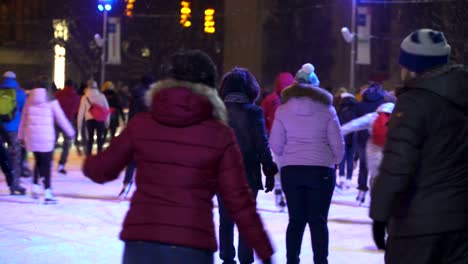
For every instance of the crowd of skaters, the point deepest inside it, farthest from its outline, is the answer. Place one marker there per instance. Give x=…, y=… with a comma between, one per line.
x=189, y=140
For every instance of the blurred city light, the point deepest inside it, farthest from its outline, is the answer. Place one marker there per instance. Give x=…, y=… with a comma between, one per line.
x=209, y=21
x=108, y=7
x=185, y=14
x=100, y=7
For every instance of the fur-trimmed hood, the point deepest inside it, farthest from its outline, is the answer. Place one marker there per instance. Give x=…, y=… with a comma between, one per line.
x=183, y=103
x=305, y=90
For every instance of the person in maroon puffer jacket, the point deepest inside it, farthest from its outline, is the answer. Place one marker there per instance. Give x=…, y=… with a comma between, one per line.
x=70, y=102
x=185, y=154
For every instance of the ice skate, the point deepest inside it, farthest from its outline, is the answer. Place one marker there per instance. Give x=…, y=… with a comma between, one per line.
x=49, y=198
x=61, y=169
x=17, y=190
x=279, y=200
x=361, y=197
x=35, y=191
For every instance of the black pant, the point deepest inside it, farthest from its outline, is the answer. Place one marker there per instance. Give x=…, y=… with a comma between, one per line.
x=348, y=162
x=141, y=252
x=227, y=251
x=445, y=248
x=5, y=164
x=363, y=171
x=309, y=191
x=43, y=167
x=67, y=141
x=99, y=128
x=129, y=172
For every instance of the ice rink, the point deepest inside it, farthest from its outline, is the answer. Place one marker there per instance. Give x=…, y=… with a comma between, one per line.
x=84, y=226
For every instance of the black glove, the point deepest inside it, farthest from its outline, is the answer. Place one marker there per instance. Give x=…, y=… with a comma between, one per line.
x=267, y=261
x=378, y=232
x=270, y=170
x=269, y=183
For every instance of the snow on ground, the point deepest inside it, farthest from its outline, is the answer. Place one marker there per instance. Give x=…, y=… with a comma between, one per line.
x=84, y=226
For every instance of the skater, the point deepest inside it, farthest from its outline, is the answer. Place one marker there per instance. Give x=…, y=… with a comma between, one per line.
x=69, y=102
x=269, y=106
x=306, y=136
x=137, y=105
x=38, y=134
x=372, y=97
x=347, y=112
x=239, y=90
x=185, y=154
x=376, y=124
x=12, y=99
x=420, y=194
x=115, y=107
x=96, y=124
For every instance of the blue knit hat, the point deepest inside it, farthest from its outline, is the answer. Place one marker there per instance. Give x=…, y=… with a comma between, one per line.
x=9, y=80
x=307, y=75
x=424, y=49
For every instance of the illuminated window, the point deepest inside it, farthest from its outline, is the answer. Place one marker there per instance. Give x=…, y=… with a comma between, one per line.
x=209, y=21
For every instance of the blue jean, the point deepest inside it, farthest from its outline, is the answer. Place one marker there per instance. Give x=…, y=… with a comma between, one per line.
x=309, y=191
x=142, y=252
x=227, y=251
x=363, y=171
x=348, y=162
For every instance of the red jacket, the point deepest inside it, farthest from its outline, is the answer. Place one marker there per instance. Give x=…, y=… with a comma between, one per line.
x=69, y=100
x=273, y=100
x=185, y=154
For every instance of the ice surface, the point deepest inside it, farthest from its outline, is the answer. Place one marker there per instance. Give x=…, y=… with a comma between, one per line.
x=84, y=226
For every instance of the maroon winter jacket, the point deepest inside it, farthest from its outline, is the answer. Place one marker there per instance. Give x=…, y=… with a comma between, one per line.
x=273, y=100
x=69, y=101
x=185, y=154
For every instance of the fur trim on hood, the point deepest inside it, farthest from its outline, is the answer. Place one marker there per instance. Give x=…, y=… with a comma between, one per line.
x=219, y=109
x=305, y=90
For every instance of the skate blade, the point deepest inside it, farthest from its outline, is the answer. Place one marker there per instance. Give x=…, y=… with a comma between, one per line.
x=50, y=201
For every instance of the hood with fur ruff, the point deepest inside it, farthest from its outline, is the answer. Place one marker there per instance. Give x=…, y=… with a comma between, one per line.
x=182, y=103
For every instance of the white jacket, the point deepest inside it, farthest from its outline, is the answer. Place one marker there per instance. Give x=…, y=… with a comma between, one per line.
x=374, y=152
x=95, y=96
x=37, y=122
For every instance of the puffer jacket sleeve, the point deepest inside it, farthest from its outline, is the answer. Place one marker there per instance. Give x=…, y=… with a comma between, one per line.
x=261, y=140
x=23, y=120
x=107, y=165
x=61, y=119
x=335, y=138
x=278, y=135
x=238, y=199
x=361, y=123
x=401, y=155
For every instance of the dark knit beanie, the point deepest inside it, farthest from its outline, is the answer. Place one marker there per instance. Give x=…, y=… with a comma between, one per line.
x=424, y=49
x=192, y=66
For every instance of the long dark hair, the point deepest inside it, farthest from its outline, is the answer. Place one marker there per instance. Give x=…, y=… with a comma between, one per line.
x=240, y=80
x=43, y=81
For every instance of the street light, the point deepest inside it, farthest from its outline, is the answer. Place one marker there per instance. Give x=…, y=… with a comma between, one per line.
x=104, y=6
x=350, y=37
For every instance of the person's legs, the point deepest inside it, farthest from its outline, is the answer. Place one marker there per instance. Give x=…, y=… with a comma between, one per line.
x=140, y=252
x=14, y=153
x=5, y=164
x=295, y=192
x=90, y=127
x=100, y=130
x=227, y=251
x=320, y=182
x=245, y=253
x=363, y=171
x=44, y=167
x=65, y=151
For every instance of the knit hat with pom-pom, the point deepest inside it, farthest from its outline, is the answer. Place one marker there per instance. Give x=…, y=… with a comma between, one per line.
x=307, y=75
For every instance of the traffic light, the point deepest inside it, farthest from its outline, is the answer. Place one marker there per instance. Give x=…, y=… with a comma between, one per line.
x=129, y=7
x=185, y=14
x=209, y=21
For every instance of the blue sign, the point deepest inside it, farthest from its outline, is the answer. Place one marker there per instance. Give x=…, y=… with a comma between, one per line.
x=362, y=20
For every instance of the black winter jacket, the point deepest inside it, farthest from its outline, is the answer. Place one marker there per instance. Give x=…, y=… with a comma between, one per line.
x=372, y=98
x=422, y=186
x=248, y=123
x=347, y=111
